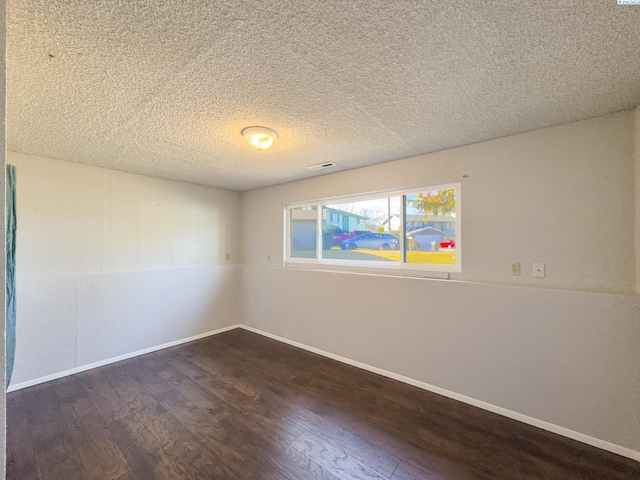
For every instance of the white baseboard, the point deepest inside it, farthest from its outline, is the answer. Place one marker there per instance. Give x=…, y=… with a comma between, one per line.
x=565, y=432
x=82, y=368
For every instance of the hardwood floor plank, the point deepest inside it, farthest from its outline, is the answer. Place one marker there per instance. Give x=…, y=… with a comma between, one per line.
x=218, y=434
x=20, y=450
x=199, y=459
x=106, y=400
x=407, y=471
x=242, y=368
x=437, y=429
x=353, y=445
x=425, y=461
x=386, y=435
x=390, y=434
x=56, y=456
x=357, y=447
x=282, y=460
x=143, y=453
x=213, y=371
x=209, y=416
x=444, y=439
x=265, y=435
x=241, y=406
x=201, y=386
x=333, y=459
x=101, y=457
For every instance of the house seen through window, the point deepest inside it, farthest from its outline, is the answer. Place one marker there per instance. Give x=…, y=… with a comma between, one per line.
x=413, y=229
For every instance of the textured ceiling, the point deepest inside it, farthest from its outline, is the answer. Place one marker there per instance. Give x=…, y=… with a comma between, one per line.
x=163, y=87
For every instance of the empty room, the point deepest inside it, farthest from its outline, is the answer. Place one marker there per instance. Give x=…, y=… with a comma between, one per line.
x=321, y=240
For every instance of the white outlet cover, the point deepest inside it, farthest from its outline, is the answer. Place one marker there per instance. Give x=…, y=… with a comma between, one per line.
x=538, y=270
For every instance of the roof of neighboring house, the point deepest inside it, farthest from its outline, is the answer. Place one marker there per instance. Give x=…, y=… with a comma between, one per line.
x=419, y=217
x=342, y=212
x=426, y=231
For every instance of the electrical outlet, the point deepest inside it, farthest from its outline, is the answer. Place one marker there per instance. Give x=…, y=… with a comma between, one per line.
x=268, y=257
x=515, y=268
x=226, y=257
x=538, y=270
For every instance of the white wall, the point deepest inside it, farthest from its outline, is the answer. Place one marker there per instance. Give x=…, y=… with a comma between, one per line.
x=109, y=263
x=563, y=349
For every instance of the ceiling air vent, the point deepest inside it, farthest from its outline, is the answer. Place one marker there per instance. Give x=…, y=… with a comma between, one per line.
x=322, y=166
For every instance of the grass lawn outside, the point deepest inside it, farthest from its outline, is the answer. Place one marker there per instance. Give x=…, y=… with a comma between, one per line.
x=423, y=258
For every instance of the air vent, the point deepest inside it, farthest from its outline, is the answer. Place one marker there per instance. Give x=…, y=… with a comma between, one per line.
x=322, y=166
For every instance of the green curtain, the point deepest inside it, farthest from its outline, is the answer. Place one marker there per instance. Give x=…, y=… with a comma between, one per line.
x=11, y=269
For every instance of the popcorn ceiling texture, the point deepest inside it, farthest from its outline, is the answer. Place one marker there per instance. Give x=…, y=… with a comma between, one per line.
x=164, y=87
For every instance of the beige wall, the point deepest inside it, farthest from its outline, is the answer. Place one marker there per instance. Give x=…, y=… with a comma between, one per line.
x=558, y=196
x=563, y=349
x=109, y=263
x=637, y=177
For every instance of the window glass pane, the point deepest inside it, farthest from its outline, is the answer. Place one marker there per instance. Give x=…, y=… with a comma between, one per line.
x=302, y=228
x=365, y=230
x=431, y=227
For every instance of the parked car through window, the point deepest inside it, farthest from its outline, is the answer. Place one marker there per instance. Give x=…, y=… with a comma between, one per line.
x=377, y=241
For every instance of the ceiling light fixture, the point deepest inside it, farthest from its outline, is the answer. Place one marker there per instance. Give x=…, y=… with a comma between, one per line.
x=259, y=138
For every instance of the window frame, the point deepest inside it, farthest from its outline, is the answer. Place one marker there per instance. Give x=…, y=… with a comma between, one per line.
x=399, y=268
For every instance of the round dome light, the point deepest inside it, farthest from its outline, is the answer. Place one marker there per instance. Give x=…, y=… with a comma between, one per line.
x=259, y=138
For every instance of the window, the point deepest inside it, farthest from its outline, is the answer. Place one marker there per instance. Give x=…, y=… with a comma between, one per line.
x=302, y=234
x=417, y=229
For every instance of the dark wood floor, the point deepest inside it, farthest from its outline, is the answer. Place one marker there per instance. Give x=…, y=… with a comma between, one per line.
x=240, y=406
